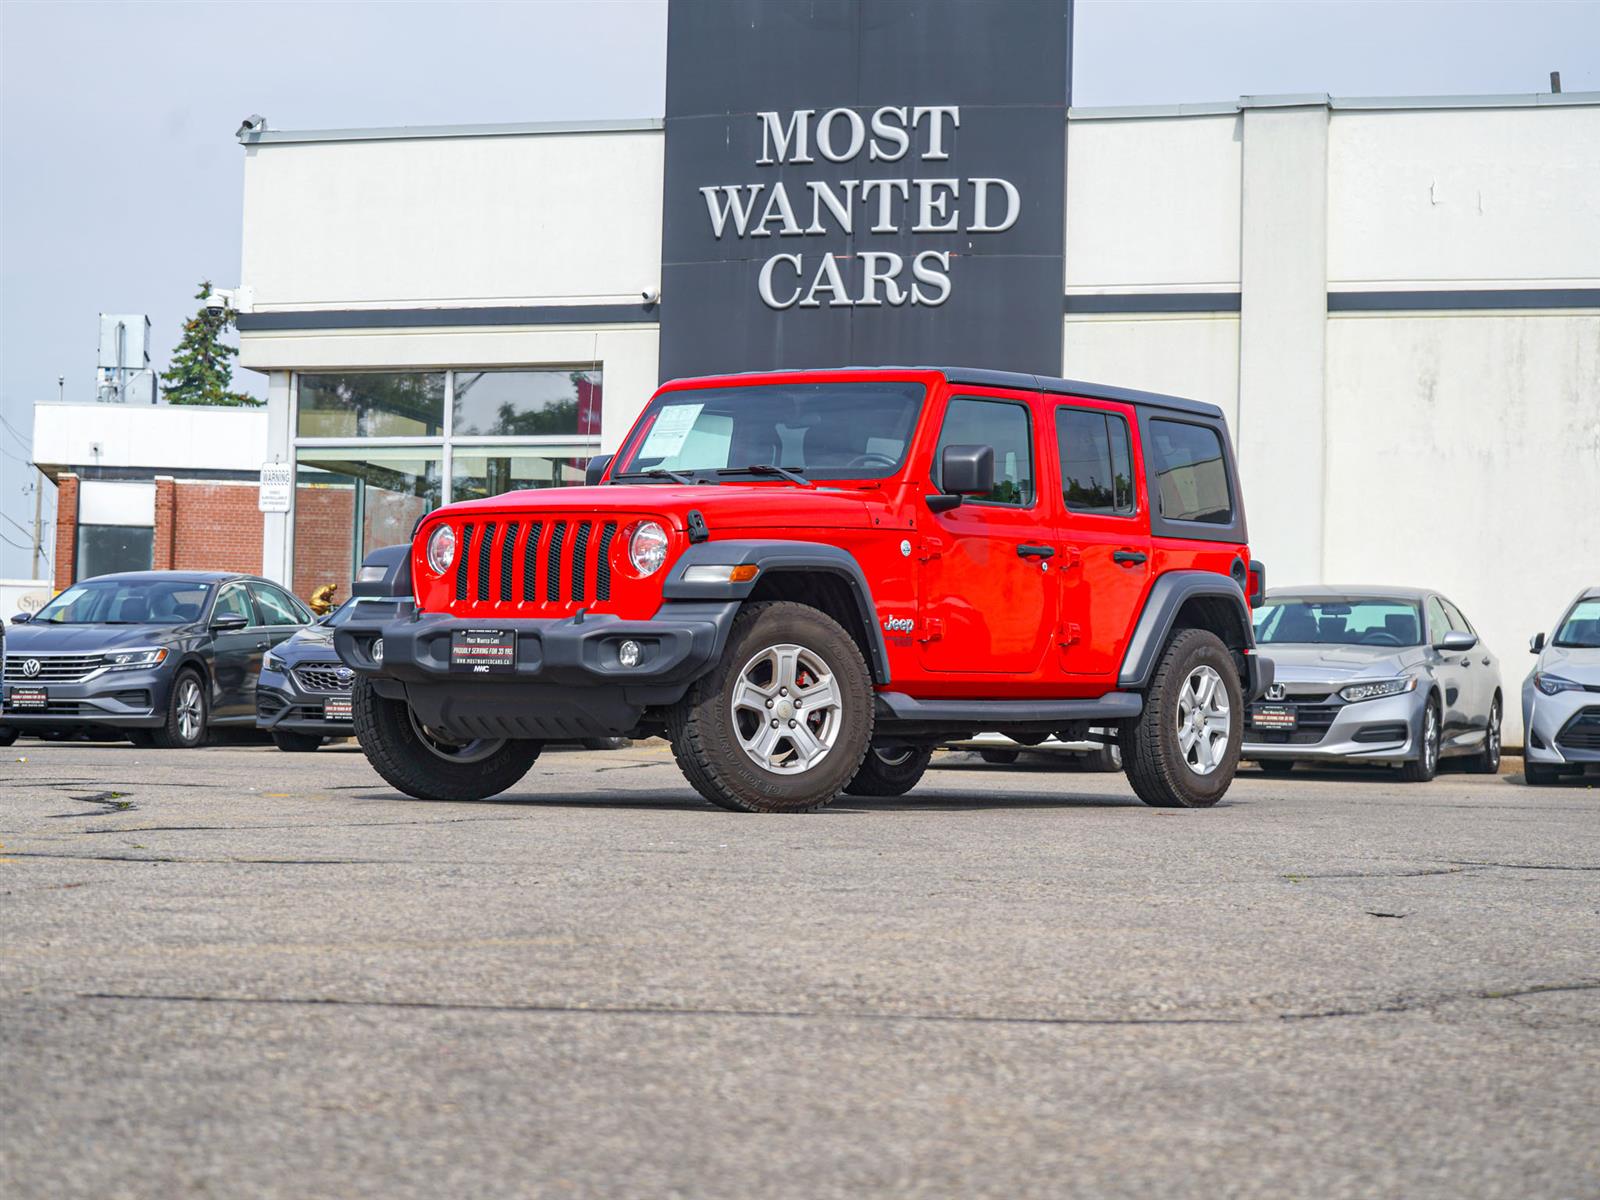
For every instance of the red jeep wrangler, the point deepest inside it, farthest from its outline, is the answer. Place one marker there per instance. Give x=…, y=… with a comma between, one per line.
x=806, y=580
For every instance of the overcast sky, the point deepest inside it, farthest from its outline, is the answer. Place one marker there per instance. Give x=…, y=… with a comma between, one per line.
x=120, y=178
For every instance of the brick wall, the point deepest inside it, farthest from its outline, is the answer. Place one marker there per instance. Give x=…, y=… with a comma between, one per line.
x=215, y=527
x=161, y=546
x=323, y=525
x=66, y=530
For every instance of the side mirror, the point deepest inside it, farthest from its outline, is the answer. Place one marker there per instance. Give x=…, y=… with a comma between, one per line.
x=24, y=618
x=963, y=471
x=225, y=622
x=1536, y=643
x=596, y=470
x=1457, y=641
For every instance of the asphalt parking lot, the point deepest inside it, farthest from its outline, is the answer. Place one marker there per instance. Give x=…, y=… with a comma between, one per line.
x=239, y=972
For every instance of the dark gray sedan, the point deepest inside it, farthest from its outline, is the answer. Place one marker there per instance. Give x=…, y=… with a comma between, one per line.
x=1380, y=675
x=156, y=656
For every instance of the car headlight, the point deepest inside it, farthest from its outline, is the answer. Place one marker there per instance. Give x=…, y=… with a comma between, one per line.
x=130, y=660
x=1552, y=685
x=1384, y=687
x=272, y=662
x=647, y=547
x=442, y=548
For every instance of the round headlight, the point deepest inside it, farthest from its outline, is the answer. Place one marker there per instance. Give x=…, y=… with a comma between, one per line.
x=442, y=548
x=647, y=548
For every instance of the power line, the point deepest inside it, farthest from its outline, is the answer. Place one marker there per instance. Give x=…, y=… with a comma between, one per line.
x=27, y=443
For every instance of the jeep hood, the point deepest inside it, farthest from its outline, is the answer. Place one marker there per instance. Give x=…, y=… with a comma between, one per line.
x=725, y=506
x=1296, y=662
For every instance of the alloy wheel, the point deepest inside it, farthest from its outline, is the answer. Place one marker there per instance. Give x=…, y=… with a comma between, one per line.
x=786, y=709
x=1204, y=720
x=191, y=709
x=1430, y=739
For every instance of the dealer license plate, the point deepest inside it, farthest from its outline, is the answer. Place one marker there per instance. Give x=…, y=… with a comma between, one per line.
x=24, y=699
x=1273, y=716
x=483, y=650
x=336, y=708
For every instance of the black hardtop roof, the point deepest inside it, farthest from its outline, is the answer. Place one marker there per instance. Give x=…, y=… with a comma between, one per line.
x=983, y=377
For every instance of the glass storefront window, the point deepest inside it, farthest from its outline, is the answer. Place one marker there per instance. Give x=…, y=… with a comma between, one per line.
x=349, y=500
x=527, y=403
x=479, y=471
x=105, y=549
x=372, y=404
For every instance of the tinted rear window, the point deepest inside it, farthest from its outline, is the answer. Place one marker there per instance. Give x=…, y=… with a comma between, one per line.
x=1189, y=472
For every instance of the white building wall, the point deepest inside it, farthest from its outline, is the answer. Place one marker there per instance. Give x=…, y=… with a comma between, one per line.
x=1194, y=356
x=172, y=437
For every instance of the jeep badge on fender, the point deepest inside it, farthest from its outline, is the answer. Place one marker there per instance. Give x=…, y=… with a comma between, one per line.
x=728, y=579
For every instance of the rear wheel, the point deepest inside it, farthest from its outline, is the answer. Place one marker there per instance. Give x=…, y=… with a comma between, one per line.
x=1487, y=760
x=890, y=770
x=295, y=743
x=783, y=721
x=185, y=727
x=1000, y=758
x=428, y=764
x=1426, y=764
x=1183, y=749
x=1275, y=766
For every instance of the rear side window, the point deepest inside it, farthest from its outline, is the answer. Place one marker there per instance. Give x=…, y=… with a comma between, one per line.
x=277, y=608
x=1003, y=425
x=1096, y=463
x=1188, y=472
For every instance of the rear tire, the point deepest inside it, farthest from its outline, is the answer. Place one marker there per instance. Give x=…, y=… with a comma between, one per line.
x=295, y=743
x=8, y=734
x=1105, y=761
x=1000, y=758
x=1426, y=764
x=1183, y=749
x=739, y=736
x=428, y=767
x=891, y=772
x=1487, y=760
x=187, y=708
x=1275, y=766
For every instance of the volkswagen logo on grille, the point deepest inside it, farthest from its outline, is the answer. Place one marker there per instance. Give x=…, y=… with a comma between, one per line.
x=1276, y=692
x=345, y=676
x=30, y=667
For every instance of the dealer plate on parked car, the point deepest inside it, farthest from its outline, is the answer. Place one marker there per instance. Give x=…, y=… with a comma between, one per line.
x=1273, y=716
x=24, y=699
x=336, y=708
x=483, y=650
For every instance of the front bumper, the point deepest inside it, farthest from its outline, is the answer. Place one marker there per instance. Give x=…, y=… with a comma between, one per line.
x=1556, y=730
x=565, y=680
x=120, y=699
x=283, y=704
x=1386, y=730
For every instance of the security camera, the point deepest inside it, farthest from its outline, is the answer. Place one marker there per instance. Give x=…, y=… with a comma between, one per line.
x=651, y=296
x=254, y=123
x=218, y=301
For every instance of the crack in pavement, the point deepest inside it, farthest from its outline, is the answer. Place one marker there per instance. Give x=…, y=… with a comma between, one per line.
x=154, y=858
x=1417, y=874
x=777, y=1014
x=311, y=825
x=1526, y=866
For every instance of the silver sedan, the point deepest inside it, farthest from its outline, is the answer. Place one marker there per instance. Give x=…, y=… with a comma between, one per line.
x=1561, y=697
x=1379, y=675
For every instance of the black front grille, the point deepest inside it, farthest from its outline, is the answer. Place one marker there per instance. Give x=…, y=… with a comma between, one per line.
x=530, y=562
x=485, y=549
x=462, y=556
x=602, y=583
x=552, y=572
x=580, y=563
x=1583, y=731
x=507, y=544
x=1388, y=731
x=562, y=561
x=320, y=677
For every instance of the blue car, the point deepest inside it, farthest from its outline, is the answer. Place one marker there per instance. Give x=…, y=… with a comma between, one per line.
x=158, y=657
x=304, y=693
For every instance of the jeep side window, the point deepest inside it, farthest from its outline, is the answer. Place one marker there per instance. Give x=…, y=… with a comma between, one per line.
x=1190, y=475
x=1003, y=424
x=1096, y=463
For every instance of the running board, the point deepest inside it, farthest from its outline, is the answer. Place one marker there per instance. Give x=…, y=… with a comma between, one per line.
x=986, y=714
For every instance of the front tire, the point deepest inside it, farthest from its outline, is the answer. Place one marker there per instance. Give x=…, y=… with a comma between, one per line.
x=892, y=771
x=291, y=742
x=999, y=758
x=783, y=721
x=187, y=708
x=1183, y=749
x=1487, y=760
x=8, y=734
x=1426, y=764
x=424, y=764
x=1275, y=766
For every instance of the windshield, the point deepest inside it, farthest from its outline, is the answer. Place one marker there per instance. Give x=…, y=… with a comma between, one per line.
x=820, y=430
x=126, y=602
x=1581, y=628
x=1339, y=622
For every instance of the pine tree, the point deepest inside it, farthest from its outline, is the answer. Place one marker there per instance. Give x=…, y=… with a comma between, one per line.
x=202, y=370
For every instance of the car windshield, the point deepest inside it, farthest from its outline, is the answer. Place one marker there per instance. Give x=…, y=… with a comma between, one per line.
x=1347, y=621
x=126, y=602
x=1581, y=628
x=816, y=430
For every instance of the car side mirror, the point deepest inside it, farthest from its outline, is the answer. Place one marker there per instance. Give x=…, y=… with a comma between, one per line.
x=963, y=471
x=228, y=621
x=24, y=618
x=1457, y=641
x=1536, y=643
x=596, y=470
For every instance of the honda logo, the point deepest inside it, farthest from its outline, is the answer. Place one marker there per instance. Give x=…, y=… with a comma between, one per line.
x=1276, y=691
x=30, y=667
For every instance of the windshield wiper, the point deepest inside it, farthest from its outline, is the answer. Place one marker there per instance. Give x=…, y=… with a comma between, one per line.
x=768, y=469
x=656, y=473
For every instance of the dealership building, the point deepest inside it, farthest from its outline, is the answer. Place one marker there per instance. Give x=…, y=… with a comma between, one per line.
x=1395, y=301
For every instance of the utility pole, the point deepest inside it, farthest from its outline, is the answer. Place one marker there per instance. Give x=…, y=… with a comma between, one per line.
x=38, y=548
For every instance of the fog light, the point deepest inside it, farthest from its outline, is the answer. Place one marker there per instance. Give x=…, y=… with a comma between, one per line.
x=377, y=650
x=628, y=654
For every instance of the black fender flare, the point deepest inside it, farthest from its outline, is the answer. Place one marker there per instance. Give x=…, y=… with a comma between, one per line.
x=777, y=557
x=1167, y=596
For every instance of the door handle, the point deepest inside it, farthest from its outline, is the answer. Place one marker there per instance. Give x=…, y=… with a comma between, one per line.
x=1027, y=551
x=1129, y=557
x=262, y=645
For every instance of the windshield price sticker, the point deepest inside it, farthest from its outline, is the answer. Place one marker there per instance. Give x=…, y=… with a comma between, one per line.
x=1272, y=716
x=337, y=709
x=483, y=650
x=22, y=699
x=670, y=430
